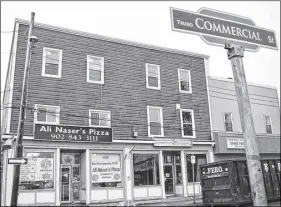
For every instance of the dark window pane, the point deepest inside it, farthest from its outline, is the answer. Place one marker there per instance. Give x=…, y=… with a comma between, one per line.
x=268, y=129
x=146, y=169
x=95, y=119
x=95, y=75
x=41, y=115
x=152, y=81
x=186, y=117
x=187, y=130
x=51, y=69
x=228, y=127
x=184, y=86
x=178, y=174
x=155, y=128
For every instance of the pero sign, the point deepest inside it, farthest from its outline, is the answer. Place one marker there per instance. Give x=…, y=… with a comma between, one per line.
x=218, y=28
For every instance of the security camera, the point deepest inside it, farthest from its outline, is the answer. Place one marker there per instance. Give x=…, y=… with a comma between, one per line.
x=33, y=39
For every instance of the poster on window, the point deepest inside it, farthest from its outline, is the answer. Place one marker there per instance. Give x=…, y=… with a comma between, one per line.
x=106, y=168
x=40, y=167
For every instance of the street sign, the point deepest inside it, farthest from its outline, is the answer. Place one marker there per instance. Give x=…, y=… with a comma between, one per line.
x=193, y=161
x=17, y=161
x=217, y=28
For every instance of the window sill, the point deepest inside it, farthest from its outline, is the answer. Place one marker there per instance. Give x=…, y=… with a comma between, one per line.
x=51, y=76
x=191, y=137
x=97, y=82
x=33, y=190
x=154, y=88
x=188, y=92
x=107, y=127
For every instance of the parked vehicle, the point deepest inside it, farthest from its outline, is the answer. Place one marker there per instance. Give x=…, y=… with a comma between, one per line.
x=227, y=182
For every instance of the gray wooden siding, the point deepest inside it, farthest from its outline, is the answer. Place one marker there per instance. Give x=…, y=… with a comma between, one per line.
x=124, y=92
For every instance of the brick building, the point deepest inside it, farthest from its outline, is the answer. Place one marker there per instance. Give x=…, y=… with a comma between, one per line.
x=107, y=120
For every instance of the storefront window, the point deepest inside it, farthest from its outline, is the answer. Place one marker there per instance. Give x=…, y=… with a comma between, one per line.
x=146, y=169
x=106, y=170
x=38, y=173
x=200, y=159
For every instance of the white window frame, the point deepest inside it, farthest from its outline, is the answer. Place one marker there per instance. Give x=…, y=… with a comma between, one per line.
x=88, y=69
x=193, y=123
x=159, y=82
x=99, y=111
x=46, y=106
x=44, y=63
x=225, y=122
x=270, y=123
x=179, y=80
x=161, y=119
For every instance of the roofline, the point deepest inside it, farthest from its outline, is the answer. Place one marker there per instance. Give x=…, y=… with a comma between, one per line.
x=111, y=39
x=248, y=83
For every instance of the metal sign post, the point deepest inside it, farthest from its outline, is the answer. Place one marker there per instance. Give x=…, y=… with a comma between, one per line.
x=235, y=54
x=193, y=162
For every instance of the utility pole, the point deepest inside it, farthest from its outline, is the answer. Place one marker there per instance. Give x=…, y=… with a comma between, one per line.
x=235, y=54
x=18, y=146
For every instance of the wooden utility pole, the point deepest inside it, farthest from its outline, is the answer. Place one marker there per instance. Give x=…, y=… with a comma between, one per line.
x=235, y=54
x=18, y=146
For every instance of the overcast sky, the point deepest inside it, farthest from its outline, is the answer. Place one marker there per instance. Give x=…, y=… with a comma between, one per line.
x=149, y=22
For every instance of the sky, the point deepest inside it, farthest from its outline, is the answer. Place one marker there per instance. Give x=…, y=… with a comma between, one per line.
x=150, y=22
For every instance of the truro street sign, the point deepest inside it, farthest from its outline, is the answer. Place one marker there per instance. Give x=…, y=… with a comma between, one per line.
x=217, y=28
x=17, y=161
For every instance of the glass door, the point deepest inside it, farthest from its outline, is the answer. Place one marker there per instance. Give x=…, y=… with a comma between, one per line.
x=65, y=184
x=70, y=177
x=169, y=179
x=75, y=184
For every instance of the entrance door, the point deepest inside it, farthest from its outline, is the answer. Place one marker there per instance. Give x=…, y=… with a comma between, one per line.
x=65, y=184
x=169, y=179
x=70, y=177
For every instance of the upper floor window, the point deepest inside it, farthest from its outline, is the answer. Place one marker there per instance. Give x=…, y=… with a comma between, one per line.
x=228, y=122
x=52, y=62
x=187, y=123
x=95, y=69
x=47, y=114
x=184, y=81
x=99, y=118
x=155, y=121
x=268, y=124
x=153, y=76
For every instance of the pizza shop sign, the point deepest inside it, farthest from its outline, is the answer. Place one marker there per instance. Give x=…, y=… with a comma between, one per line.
x=72, y=133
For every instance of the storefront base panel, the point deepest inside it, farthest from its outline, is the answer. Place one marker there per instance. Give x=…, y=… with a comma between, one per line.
x=106, y=195
x=197, y=188
x=38, y=198
x=148, y=192
x=178, y=190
